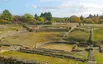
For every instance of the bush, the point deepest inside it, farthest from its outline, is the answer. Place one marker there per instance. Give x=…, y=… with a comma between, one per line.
x=31, y=23
x=2, y=21
x=88, y=21
x=47, y=22
x=101, y=21
x=38, y=23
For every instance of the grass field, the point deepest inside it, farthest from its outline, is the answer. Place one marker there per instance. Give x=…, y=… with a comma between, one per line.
x=40, y=58
x=98, y=35
x=10, y=27
x=30, y=39
x=78, y=36
x=99, y=57
x=65, y=47
x=4, y=29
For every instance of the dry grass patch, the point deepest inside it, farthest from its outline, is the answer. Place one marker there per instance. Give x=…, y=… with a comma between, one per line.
x=31, y=39
x=65, y=47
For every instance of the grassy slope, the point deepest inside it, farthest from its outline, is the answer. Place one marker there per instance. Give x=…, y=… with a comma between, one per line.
x=31, y=38
x=98, y=35
x=99, y=57
x=6, y=29
x=79, y=36
x=68, y=48
x=40, y=58
x=10, y=27
x=65, y=47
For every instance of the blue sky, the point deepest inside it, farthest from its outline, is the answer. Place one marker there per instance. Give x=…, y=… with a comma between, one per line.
x=59, y=8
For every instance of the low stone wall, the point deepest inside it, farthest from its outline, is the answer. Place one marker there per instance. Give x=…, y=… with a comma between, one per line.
x=84, y=44
x=27, y=28
x=5, y=45
x=81, y=29
x=72, y=42
x=91, y=58
x=100, y=49
x=12, y=60
x=45, y=29
x=52, y=53
x=52, y=30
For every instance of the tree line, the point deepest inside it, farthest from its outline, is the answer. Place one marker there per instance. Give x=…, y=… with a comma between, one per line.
x=46, y=18
x=7, y=17
x=75, y=19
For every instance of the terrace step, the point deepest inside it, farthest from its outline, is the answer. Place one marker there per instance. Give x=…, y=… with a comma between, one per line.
x=53, y=53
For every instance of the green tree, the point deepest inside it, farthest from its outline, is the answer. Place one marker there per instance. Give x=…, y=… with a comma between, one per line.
x=6, y=15
x=36, y=16
x=81, y=17
x=89, y=20
x=74, y=19
x=41, y=19
x=29, y=17
x=101, y=21
x=90, y=16
x=18, y=19
x=97, y=15
x=95, y=19
x=42, y=15
x=47, y=16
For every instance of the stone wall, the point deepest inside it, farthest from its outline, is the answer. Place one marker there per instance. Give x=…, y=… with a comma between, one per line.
x=52, y=53
x=91, y=58
x=12, y=60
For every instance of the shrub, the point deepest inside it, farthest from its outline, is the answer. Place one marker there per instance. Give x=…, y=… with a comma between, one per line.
x=38, y=23
x=48, y=22
x=87, y=21
x=4, y=21
x=101, y=21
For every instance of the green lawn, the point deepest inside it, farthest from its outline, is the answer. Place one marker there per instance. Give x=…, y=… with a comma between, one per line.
x=40, y=58
x=99, y=57
x=98, y=35
x=78, y=36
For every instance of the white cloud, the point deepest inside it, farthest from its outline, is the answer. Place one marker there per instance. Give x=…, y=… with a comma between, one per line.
x=82, y=7
x=73, y=7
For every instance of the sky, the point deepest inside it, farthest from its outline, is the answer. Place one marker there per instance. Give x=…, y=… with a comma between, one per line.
x=58, y=8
